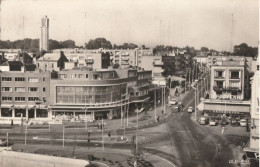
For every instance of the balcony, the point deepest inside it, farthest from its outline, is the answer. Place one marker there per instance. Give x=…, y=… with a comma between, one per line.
x=158, y=63
x=218, y=88
x=124, y=63
x=125, y=58
x=89, y=61
x=233, y=89
x=219, y=77
x=234, y=77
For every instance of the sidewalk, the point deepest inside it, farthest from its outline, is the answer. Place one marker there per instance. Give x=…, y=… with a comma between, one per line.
x=147, y=118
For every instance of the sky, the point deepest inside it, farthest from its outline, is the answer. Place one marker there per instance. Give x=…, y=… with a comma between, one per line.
x=180, y=23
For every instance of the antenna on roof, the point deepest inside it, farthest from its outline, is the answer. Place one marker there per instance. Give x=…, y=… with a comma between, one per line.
x=231, y=37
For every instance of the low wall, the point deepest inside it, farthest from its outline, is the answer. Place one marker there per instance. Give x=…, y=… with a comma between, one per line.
x=19, y=159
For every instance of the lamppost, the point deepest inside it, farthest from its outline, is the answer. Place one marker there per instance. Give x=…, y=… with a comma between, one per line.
x=195, y=87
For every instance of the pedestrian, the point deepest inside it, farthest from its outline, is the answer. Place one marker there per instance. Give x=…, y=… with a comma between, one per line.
x=109, y=134
x=162, y=111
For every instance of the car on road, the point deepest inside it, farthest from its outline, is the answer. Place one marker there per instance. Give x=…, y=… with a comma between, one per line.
x=234, y=122
x=203, y=120
x=213, y=122
x=190, y=110
x=243, y=122
x=173, y=101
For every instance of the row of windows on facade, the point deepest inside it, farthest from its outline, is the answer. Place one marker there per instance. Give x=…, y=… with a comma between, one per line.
x=22, y=99
x=232, y=74
x=22, y=79
x=220, y=84
x=22, y=89
x=95, y=76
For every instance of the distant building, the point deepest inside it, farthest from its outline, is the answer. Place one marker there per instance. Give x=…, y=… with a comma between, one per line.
x=52, y=62
x=88, y=60
x=201, y=59
x=44, y=38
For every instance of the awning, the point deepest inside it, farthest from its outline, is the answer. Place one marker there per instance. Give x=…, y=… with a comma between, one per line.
x=17, y=106
x=227, y=108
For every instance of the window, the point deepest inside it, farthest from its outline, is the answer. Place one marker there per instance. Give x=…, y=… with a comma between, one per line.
x=7, y=79
x=52, y=65
x=96, y=76
x=19, y=98
x=44, y=99
x=43, y=79
x=32, y=98
x=234, y=75
x=33, y=79
x=6, y=89
x=86, y=75
x=43, y=89
x=80, y=76
x=219, y=84
x=62, y=75
x=6, y=98
x=33, y=89
x=20, y=79
x=19, y=89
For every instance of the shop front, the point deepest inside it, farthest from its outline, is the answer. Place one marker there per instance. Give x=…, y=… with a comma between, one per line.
x=229, y=109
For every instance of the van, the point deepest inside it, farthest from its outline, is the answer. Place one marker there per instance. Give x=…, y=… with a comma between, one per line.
x=203, y=120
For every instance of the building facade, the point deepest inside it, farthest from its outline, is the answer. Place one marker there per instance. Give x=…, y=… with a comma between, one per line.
x=252, y=152
x=44, y=38
x=24, y=94
x=227, y=88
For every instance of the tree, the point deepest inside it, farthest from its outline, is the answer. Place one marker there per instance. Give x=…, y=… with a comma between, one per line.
x=68, y=44
x=98, y=43
x=204, y=49
x=245, y=50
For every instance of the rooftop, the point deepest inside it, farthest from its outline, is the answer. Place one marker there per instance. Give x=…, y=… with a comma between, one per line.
x=50, y=57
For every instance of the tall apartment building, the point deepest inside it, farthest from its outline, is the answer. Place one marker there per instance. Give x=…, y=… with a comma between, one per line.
x=227, y=88
x=38, y=95
x=44, y=38
x=88, y=60
x=19, y=93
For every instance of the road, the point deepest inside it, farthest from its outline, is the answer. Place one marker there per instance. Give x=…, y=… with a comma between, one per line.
x=191, y=144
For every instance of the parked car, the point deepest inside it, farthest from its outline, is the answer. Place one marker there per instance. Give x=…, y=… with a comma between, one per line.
x=203, y=120
x=190, y=109
x=173, y=101
x=234, y=122
x=213, y=122
x=243, y=122
x=3, y=142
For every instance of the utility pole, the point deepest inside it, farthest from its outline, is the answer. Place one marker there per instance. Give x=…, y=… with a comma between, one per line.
x=85, y=33
x=7, y=139
x=155, y=114
x=127, y=110
x=63, y=135
x=86, y=121
x=102, y=134
x=121, y=112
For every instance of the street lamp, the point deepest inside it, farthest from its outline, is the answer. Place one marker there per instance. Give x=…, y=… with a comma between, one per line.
x=195, y=87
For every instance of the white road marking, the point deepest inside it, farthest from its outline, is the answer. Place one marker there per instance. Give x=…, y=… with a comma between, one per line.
x=162, y=159
x=100, y=163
